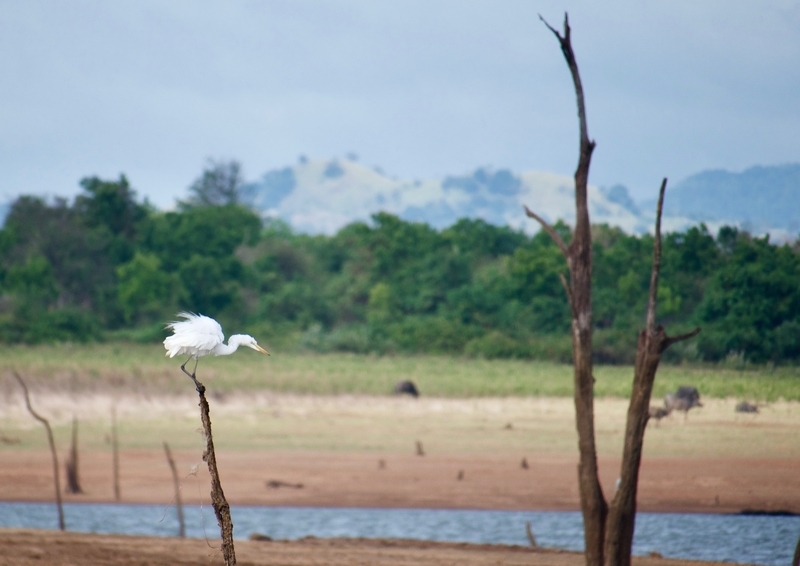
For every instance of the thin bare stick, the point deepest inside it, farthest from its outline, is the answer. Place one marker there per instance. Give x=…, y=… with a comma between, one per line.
x=176, y=483
x=71, y=465
x=52, y=443
x=549, y=229
x=221, y=507
x=529, y=532
x=115, y=453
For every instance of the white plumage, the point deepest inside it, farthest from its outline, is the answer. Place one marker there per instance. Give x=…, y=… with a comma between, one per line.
x=197, y=336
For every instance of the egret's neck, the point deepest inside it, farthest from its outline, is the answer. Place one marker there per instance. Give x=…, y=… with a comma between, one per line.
x=229, y=348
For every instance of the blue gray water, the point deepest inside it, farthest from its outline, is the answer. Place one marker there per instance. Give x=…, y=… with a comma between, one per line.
x=735, y=538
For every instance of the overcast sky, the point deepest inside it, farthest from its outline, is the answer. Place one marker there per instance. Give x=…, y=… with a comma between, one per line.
x=421, y=88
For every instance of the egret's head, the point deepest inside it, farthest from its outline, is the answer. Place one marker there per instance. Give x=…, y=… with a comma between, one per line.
x=249, y=341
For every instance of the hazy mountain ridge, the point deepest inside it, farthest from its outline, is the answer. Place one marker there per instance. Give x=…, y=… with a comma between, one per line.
x=759, y=198
x=321, y=196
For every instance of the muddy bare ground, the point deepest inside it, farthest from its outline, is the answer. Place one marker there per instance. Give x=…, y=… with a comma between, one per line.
x=359, y=452
x=489, y=481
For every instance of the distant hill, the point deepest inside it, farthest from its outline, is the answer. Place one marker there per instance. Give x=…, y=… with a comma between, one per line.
x=321, y=196
x=759, y=199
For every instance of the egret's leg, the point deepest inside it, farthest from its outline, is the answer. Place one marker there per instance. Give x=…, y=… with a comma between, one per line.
x=183, y=367
x=194, y=371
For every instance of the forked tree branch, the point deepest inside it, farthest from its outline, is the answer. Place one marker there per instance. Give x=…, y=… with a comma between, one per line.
x=549, y=229
x=670, y=340
x=567, y=288
x=579, y=291
x=650, y=324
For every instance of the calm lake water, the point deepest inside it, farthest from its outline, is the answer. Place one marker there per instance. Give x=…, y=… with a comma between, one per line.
x=735, y=538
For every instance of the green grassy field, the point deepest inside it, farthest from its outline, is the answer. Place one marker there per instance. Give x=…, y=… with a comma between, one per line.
x=143, y=368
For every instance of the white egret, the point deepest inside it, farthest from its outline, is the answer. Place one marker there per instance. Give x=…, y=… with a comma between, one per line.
x=198, y=336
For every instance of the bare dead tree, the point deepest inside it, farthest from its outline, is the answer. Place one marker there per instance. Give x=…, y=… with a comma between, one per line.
x=608, y=533
x=50, y=441
x=221, y=508
x=177, y=485
x=652, y=343
x=71, y=465
x=115, y=454
x=579, y=294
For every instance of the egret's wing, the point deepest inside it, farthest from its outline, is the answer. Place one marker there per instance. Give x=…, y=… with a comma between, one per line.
x=196, y=335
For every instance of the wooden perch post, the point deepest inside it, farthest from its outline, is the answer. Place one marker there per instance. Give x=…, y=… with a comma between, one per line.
x=221, y=507
x=177, y=485
x=50, y=441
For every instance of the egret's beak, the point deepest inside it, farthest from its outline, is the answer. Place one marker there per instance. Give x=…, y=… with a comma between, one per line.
x=260, y=349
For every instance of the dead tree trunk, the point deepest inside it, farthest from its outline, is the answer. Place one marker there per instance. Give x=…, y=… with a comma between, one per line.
x=52, y=443
x=653, y=341
x=579, y=294
x=176, y=483
x=221, y=507
x=71, y=465
x=608, y=533
x=115, y=454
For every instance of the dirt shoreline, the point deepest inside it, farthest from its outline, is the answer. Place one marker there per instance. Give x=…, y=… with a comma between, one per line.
x=334, y=479
x=27, y=547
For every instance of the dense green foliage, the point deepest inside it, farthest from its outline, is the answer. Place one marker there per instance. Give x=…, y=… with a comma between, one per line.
x=107, y=265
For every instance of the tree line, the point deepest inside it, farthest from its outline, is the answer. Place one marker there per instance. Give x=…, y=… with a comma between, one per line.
x=108, y=266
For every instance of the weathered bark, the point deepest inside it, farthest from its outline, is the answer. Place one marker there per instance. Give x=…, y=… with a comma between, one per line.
x=115, y=454
x=579, y=293
x=221, y=507
x=71, y=465
x=652, y=343
x=52, y=444
x=176, y=483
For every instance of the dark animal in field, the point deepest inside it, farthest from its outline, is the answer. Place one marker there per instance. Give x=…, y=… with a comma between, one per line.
x=658, y=413
x=275, y=484
x=406, y=387
x=745, y=407
x=420, y=449
x=683, y=399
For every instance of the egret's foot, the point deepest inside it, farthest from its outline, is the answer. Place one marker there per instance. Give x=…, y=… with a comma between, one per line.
x=197, y=385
